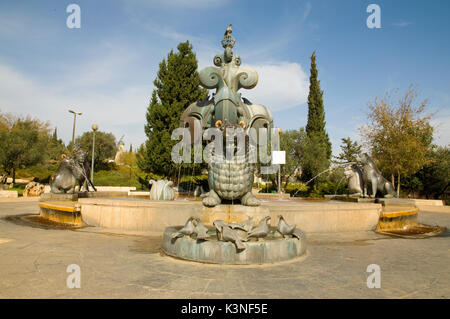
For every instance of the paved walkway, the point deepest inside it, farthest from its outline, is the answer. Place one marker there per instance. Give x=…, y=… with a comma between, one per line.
x=33, y=263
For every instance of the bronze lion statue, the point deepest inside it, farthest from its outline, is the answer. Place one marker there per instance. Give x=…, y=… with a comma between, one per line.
x=373, y=180
x=72, y=170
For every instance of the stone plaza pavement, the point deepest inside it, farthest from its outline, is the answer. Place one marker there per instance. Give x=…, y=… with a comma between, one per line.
x=34, y=260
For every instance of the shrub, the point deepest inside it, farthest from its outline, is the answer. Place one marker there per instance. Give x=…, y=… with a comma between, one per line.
x=297, y=189
x=19, y=188
x=39, y=173
x=189, y=183
x=328, y=188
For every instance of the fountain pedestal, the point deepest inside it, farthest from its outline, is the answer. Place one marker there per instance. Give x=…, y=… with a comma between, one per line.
x=234, y=213
x=273, y=248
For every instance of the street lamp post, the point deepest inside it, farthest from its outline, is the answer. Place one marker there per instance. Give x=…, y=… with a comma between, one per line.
x=74, y=122
x=94, y=129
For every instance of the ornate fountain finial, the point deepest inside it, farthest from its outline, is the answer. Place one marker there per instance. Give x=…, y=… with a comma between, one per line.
x=228, y=30
x=228, y=40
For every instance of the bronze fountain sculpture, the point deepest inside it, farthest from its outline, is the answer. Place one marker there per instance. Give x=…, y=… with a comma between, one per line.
x=72, y=170
x=229, y=179
x=365, y=179
x=372, y=178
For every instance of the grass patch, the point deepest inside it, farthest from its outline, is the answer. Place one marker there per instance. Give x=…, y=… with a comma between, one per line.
x=19, y=188
x=121, y=176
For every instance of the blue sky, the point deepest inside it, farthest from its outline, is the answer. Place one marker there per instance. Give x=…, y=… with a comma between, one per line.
x=106, y=68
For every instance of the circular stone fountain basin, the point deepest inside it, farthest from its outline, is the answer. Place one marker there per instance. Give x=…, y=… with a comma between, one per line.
x=270, y=250
x=129, y=214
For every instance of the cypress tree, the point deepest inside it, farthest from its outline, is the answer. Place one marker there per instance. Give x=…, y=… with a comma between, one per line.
x=318, y=142
x=316, y=113
x=176, y=87
x=55, y=135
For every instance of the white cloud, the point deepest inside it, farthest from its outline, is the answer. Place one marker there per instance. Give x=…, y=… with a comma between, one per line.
x=307, y=10
x=118, y=111
x=13, y=24
x=280, y=86
x=109, y=67
x=441, y=130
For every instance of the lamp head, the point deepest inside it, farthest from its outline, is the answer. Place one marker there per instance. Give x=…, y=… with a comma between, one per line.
x=77, y=113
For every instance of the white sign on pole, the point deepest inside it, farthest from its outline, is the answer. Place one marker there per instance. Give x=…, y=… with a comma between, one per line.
x=278, y=157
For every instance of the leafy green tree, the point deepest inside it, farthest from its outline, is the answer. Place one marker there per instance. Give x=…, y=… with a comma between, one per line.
x=177, y=86
x=55, y=148
x=318, y=142
x=350, y=150
x=23, y=143
x=434, y=178
x=129, y=160
x=6, y=122
x=105, y=146
x=4, y=130
x=399, y=134
x=292, y=142
x=412, y=185
x=314, y=160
